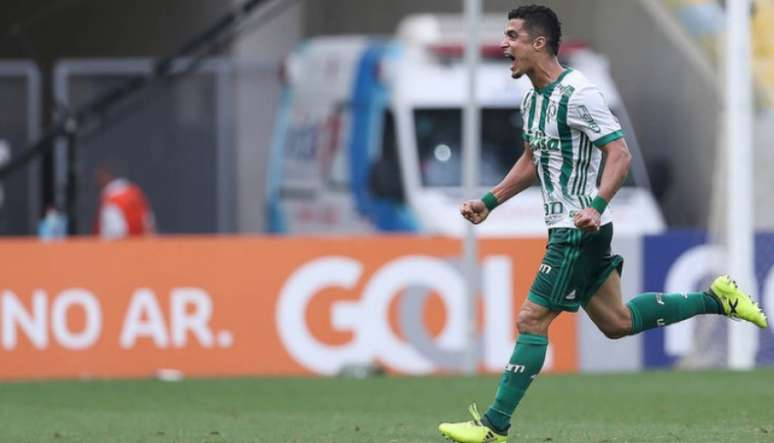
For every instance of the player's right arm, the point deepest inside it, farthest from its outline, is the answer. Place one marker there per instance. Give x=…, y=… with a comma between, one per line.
x=521, y=176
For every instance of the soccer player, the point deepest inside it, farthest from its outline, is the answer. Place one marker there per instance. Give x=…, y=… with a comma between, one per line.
x=567, y=128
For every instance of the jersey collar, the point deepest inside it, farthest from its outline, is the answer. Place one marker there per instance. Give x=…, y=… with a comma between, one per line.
x=548, y=89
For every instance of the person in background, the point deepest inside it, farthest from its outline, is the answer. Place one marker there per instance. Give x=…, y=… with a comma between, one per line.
x=123, y=208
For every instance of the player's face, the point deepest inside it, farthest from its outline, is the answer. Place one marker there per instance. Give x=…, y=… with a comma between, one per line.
x=517, y=47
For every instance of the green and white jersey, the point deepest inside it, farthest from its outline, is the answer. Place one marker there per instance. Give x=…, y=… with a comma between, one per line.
x=565, y=123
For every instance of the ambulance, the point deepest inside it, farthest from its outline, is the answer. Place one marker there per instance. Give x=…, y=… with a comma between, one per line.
x=368, y=135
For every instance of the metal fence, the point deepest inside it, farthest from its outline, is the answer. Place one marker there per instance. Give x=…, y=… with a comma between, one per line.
x=177, y=139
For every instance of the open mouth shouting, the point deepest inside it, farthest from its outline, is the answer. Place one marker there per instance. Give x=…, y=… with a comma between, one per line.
x=514, y=61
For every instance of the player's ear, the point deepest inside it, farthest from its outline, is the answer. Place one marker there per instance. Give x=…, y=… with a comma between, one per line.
x=539, y=43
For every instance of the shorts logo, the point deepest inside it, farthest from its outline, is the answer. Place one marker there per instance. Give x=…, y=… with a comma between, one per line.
x=571, y=295
x=544, y=268
x=516, y=369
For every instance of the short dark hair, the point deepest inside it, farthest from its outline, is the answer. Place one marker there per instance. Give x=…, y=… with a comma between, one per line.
x=540, y=20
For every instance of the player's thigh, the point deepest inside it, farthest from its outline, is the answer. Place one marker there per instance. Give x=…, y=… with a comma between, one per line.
x=607, y=309
x=555, y=284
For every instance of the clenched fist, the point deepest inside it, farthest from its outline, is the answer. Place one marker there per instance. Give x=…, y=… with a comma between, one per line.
x=588, y=219
x=474, y=211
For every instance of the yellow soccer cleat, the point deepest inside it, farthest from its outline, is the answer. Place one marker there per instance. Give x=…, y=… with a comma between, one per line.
x=471, y=431
x=737, y=304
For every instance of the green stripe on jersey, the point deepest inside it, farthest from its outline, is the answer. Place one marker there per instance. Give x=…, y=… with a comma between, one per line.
x=545, y=155
x=613, y=136
x=566, y=137
x=583, y=169
x=579, y=165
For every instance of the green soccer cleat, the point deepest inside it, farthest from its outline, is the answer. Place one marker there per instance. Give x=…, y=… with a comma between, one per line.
x=736, y=304
x=471, y=431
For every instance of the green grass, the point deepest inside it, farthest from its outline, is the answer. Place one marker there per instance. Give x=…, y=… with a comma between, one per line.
x=649, y=407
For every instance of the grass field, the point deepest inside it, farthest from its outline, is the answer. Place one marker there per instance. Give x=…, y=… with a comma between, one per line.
x=650, y=407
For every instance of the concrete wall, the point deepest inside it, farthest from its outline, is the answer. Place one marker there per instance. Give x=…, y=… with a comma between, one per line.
x=675, y=110
x=355, y=17
x=50, y=31
x=257, y=96
x=46, y=31
x=106, y=28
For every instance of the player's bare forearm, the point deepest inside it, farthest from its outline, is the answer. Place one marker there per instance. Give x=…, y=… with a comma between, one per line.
x=521, y=176
x=616, y=168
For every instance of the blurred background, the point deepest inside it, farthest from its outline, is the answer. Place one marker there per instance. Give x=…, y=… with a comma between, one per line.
x=663, y=58
x=252, y=123
x=262, y=195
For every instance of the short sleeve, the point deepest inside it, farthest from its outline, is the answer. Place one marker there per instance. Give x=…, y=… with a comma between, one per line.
x=589, y=113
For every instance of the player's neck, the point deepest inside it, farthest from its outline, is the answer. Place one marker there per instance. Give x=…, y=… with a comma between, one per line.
x=545, y=72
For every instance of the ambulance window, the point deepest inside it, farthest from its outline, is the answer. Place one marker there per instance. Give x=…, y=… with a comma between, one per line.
x=385, y=179
x=501, y=139
x=439, y=141
x=389, y=145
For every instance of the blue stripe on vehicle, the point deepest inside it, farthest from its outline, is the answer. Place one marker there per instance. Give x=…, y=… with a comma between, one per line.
x=369, y=102
x=276, y=217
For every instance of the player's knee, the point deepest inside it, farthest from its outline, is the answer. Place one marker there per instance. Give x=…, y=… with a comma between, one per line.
x=619, y=328
x=614, y=333
x=528, y=322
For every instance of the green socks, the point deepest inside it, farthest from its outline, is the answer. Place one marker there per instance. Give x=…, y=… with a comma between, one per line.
x=525, y=364
x=653, y=309
x=649, y=310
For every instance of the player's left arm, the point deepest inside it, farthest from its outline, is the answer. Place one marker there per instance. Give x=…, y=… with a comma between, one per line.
x=616, y=169
x=589, y=113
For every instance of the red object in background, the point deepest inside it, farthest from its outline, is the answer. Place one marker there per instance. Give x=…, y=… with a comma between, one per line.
x=124, y=211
